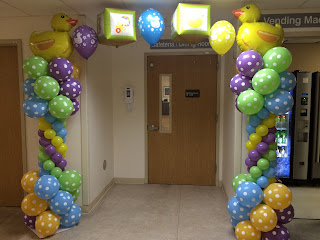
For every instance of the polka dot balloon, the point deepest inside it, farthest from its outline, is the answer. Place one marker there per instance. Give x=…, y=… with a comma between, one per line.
x=263, y=218
x=249, y=194
x=75, y=195
x=278, y=233
x=287, y=81
x=47, y=223
x=266, y=81
x=72, y=217
x=278, y=58
x=28, y=180
x=238, y=179
x=250, y=102
x=285, y=215
x=277, y=196
x=35, y=67
x=28, y=87
x=249, y=63
x=46, y=187
x=70, y=88
x=76, y=106
x=61, y=107
x=246, y=231
x=60, y=69
x=61, y=203
x=240, y=83
x=32, y=205
x=279, y=102
x=46, y=87
x=70, y=180
x=30, y=221
x=35, y=107
x=234, y=222
x=238, y=211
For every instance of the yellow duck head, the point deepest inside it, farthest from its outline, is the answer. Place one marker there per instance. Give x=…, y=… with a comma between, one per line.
x=249, y=13
x=62, y=23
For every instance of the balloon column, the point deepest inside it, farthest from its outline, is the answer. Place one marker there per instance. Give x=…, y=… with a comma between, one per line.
x=52, y=91
x=261, y=205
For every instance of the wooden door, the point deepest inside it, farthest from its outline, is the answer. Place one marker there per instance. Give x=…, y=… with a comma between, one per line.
x=11, y=193
x=183, y=149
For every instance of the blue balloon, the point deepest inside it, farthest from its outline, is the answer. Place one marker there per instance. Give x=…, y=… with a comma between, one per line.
x=49, y=118
x=250, y=129
x=72, y=217
x=279, y=102
x=61, y=203
x=287, y=81
x=273, y=163
x=269, y=173
x=35, y=107
x=263, y=113
x=254, y=121
x=64, y=139
x=62, y=133
x=46, y=186
x=249, y=194
x=234, y=222
x=238, y=211
x=57, y=126
x=151, y=26
x=43, y=172
x=40, y=164
x=263, y=182
x=28, y=87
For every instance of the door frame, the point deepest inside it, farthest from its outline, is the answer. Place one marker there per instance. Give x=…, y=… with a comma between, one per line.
x=18, y=43
x=219, y=116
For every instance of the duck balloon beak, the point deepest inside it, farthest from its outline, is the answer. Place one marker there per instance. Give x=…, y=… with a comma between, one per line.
x=237, y=13
x=72, y=22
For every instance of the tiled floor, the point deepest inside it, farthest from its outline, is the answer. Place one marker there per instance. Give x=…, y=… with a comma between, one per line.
x=152, y=212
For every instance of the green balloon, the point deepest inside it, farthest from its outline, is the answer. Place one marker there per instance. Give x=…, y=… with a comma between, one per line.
x=271, y=155
x=75, y=195
x=255, y=172
x=238, y=179
x=250, y=178
x=56, y=172
x=64, y=121
x=266, y=81
x=263, y=164
x=48, y=165
x=278, y=59
x=273, y=146
x=46, y=87
x=70, y=180
x=41, y=148
x=60, y=107
x=250, y=102
x=42, y=157
x=35, y=67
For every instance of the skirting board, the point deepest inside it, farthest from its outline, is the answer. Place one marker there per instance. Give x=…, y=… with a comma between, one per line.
x=129, y=180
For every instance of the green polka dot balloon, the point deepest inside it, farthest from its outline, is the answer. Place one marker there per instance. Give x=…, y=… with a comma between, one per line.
x=46, y=87
x=238, y=179
x=60, y=107
x=266, y=81
x=70, y=180
x=35, y=67
x=75, y=195
x=278, y=59
x=250, y=102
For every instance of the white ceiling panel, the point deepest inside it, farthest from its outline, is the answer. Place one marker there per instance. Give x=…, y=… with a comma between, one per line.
x=7, y=11
x=312, y=4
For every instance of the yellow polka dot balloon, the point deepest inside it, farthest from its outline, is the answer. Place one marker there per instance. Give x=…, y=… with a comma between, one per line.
x=28, y=180
x=33, y=206
x=222, y=36
x=263, y=218
x=47, y=223
x=277, y=196
x=246, y=231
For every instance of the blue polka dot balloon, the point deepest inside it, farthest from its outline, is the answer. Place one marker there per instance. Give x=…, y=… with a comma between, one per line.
x=287, y=81
x=46, y=186
x=35, y=107
x=72, y=217
x=279, y=102
x=238, y=211
x=61, y=203
x=28, y=87
x=249, y=194
x=151, y=26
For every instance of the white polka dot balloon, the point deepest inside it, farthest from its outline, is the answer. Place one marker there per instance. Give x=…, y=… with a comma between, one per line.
x=279, y=102
x=287, y=81
x=72, y=217
x=61, y=203
x=60, y=69
x=249, y=63
x=46, y=186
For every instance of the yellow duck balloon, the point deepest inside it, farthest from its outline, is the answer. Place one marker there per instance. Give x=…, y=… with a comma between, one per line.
x=254, y=35
x=57, y=43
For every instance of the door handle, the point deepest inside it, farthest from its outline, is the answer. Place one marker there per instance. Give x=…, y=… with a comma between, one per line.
x=153, y=127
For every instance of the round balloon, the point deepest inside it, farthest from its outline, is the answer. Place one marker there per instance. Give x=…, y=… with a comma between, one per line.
x=32, y=205
x=238, y=179
x=250, y=163
x=56, y=172
x=262, y=130
x=61, y=107
x=250, y=129
x=278, y=58
x=279, y=102
x=238, y=211
x=240, y=83
x=255, y=171
x=222, y=36
x=48, y=165
x=263, y=164
x=263, y=113
x=35, y=67
x=49, y=118
x=76, y=106
x=254, y=120
x=75, y=195
x=70, y=180
x=249, y=63
x=72, y=217
x=43, y=172
x=246, y=231
x=263, y=218
x=277, y=196
x=278, y=233
x=57, y=126
x=269, y=172
x=254, y=155
x=250, y=102
x=28, y=87
x=47, y=223
x=85, y=40
x=234, y=222
x=46, y=87
x=60, y=69
x=249, y=194
x=270, y=155
x=287, y=81
x=30, y=221
x=61, y=203
x=28, y=180
x=35, y=107
x=76, y=70
x=70, y=88
x=46, y=187
x=251, y=178
x=265, y=81
x=263, y=182
x=285, y=215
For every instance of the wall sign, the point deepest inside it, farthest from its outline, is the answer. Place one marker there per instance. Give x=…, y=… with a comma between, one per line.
x=192, y=93
x=168, y=44
x=293, y=20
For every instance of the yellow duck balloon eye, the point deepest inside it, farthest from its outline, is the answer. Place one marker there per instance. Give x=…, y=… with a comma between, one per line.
x=222, y=36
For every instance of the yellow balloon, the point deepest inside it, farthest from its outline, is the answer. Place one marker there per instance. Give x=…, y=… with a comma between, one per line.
x=76, y=70
x=250, y=146
x=222, y=36
x=28, y=180
x=277, y=195
x=64, y=154
x=272, y=180
x=255, y=138
x=49, y=133
x=47, y=223
x=263, y=218
x=270, y=122
x=62, y=148
x=262, y=130
x=43, y=125
x=56, y=141
x=33, y=206
x=245, y=231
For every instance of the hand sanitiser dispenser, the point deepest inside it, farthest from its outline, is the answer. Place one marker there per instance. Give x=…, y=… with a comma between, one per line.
x=128, y=97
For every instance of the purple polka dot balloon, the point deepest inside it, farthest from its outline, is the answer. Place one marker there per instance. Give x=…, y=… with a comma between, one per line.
x=70, y=88
x=30, y=221
x=76, y=106
x=249, y=63
x=278, y=233
x=285, y=215
x=85, y=40
x=60, y=69
x=240, y=83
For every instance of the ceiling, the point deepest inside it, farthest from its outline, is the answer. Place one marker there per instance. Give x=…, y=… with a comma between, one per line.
x=19, y=8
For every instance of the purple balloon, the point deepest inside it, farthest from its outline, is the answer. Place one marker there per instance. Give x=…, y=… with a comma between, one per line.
x=272, y=130
x=269, y=138
x=262, y=147
x=249, y=63
x=76, y=106
x=62, y=164
x=40, y=133
x=63, y=169
x=249, y=163
x=254, y=155
x=56, y=157
x=240, y=83
x=278, y=233
x=70, y=88
x=50, y=149
x=85, y=41
x=285, y=215
x=43, y=141
x=30, y=221
x=60, y=69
